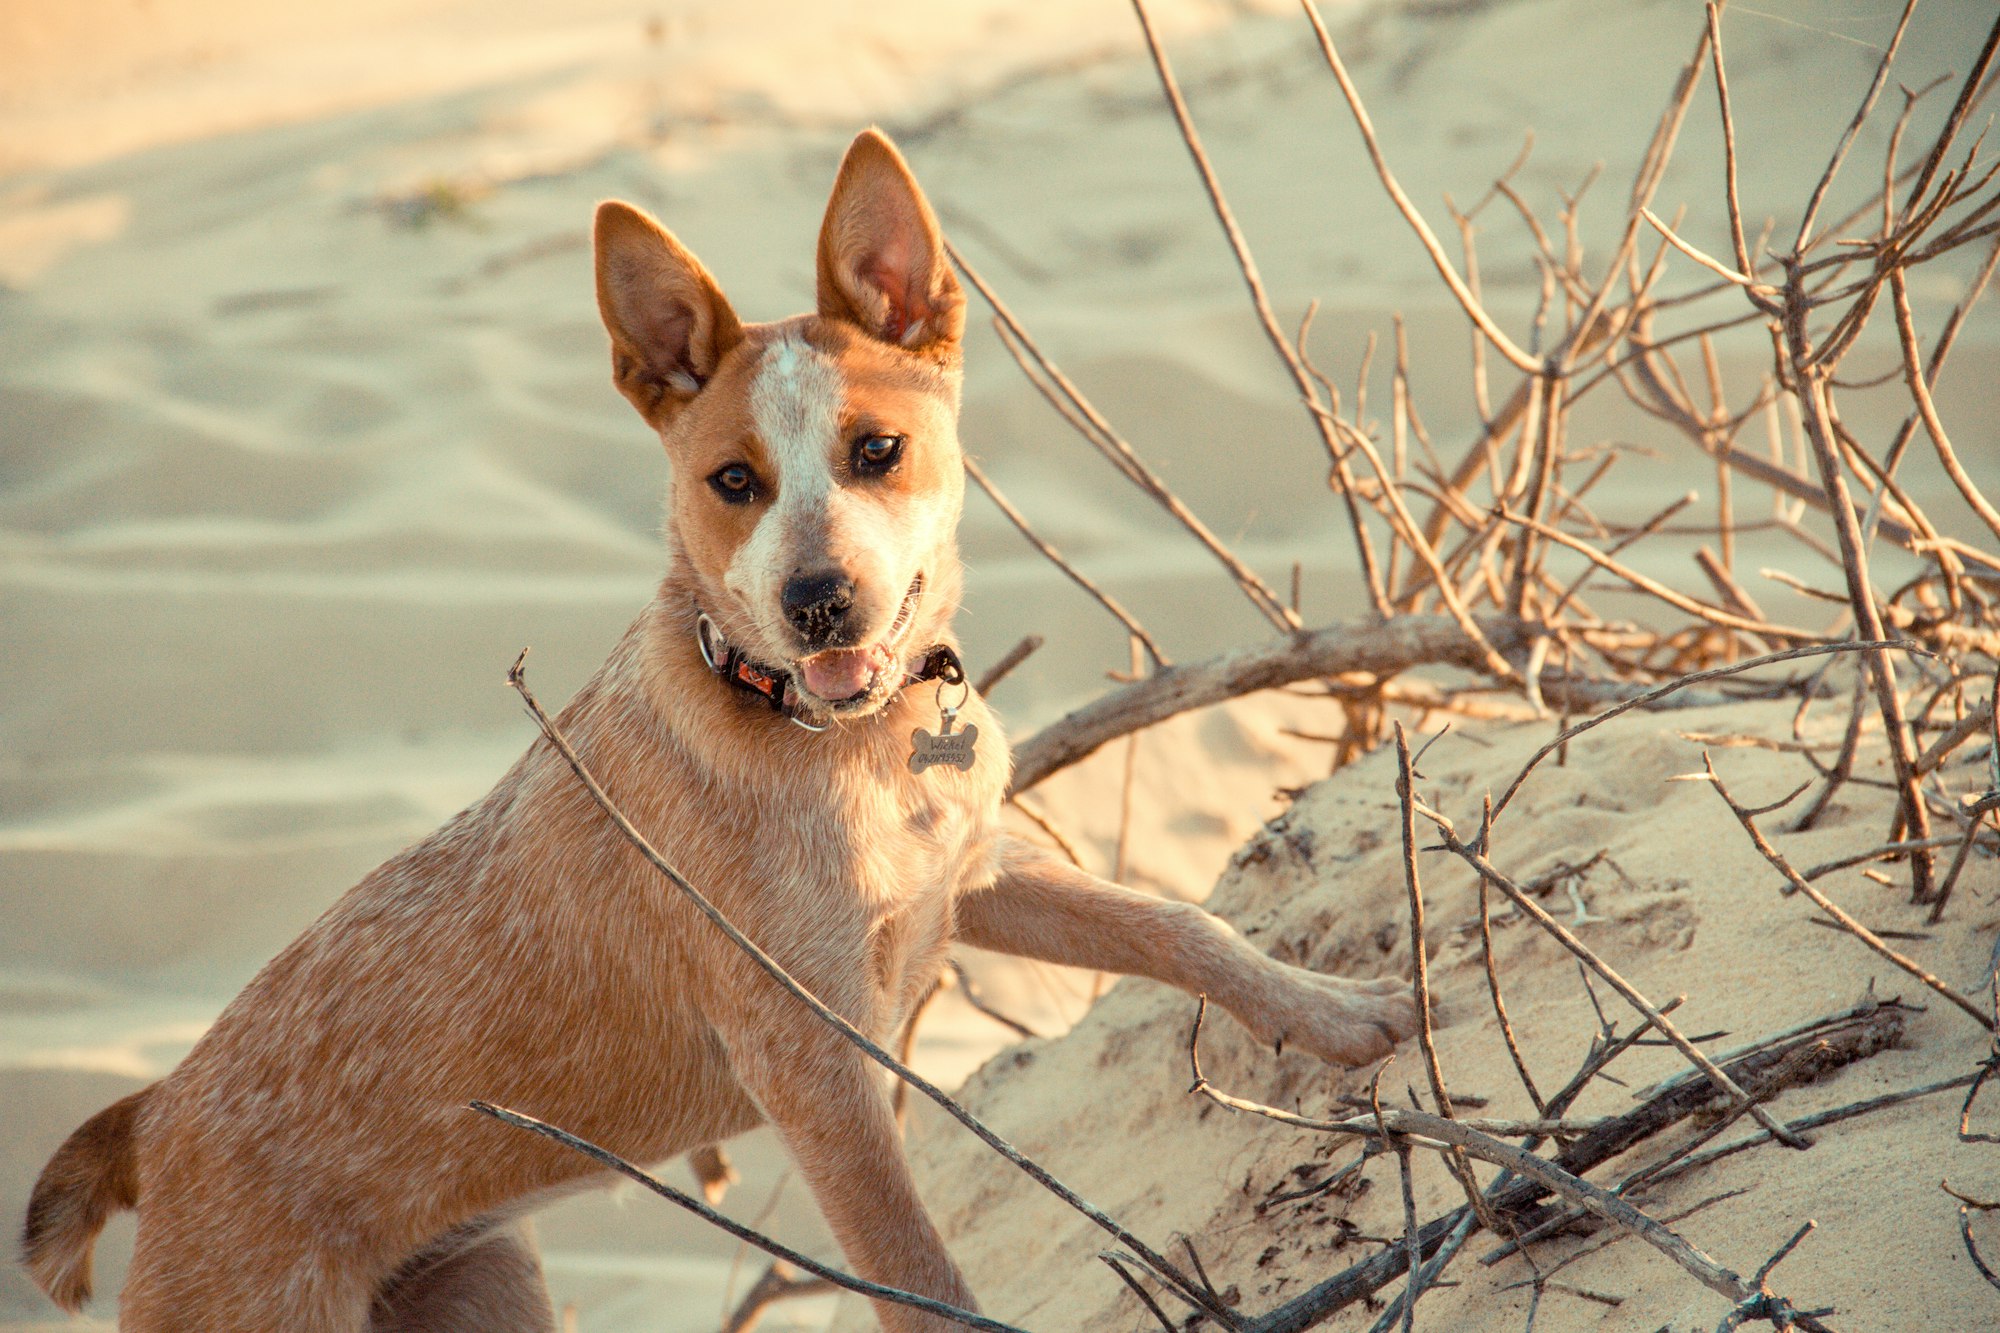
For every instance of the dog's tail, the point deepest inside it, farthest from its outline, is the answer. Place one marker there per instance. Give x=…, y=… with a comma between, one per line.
x=93, y=1175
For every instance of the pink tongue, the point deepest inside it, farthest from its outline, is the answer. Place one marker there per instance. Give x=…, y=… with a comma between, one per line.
x=840, y=673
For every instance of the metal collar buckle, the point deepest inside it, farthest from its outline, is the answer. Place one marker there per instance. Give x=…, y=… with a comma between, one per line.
x=730, y=664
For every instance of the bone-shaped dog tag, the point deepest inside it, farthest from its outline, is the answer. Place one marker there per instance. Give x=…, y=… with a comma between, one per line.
x=949, y=748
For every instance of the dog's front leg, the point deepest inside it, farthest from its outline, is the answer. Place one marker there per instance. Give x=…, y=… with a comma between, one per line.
x=827, y=1103
x=1041, y=906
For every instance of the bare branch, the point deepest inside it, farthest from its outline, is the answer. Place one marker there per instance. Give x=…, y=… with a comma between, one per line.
x=1382, y=649
x=1680, y=683
x=1436, y=1132
x=1029, y=645
x=1804, y=237
x=1703, y=258
x=846, y=1281
x=780, y=1282
x=1810, y=385
x=1913, y=373
x=1371, y=573
x=1055, y=557
x=1107, y=441
x=1743, y=262
x=1825, y=904
x=1420, y=972
x=1653, y=587
x=1473, y=309
x=1968, y=93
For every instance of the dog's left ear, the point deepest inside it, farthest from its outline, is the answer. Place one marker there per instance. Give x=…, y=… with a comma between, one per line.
x=670, y=325
x=882, y=263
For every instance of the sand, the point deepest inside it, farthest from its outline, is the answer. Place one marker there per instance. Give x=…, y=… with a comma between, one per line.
x=305, y=428
x=1672, y=895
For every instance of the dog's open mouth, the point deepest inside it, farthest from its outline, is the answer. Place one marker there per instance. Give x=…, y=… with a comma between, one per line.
x=849, y=675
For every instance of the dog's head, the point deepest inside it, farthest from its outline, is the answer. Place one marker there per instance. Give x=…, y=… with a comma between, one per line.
x=817, y=476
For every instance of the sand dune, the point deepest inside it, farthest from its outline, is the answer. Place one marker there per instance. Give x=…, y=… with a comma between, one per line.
x=305, y=426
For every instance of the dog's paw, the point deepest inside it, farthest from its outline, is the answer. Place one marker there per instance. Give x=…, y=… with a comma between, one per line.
x=1339, y=1019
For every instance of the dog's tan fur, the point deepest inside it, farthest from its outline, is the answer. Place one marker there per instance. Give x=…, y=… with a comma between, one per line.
x=311, y=1167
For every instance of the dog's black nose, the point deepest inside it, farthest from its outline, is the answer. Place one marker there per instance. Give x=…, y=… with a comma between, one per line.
x=817, y=604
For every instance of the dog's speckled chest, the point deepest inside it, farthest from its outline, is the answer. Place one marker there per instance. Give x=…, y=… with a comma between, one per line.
x=934, y=836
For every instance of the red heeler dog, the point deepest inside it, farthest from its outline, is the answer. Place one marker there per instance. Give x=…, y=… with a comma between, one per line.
x=773, y=722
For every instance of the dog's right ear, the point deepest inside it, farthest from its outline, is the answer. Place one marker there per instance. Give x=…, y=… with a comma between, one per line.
x=670, y=325
x=882, y=262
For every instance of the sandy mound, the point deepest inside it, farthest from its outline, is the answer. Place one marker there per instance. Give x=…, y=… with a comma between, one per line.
x=1674, y=897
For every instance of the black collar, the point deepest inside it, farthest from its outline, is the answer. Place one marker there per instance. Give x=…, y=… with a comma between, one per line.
x=774, y=684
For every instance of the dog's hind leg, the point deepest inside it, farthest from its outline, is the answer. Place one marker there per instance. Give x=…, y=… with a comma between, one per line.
x=227, y=1282
x=484, y=1277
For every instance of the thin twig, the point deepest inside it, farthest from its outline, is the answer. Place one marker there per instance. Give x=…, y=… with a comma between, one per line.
x=1706, y=260
x=1404, y=1306
x=1029, y=645
x=1680, y=683
x=1807, y=1123
x=970, y=990
x=1056, y=558
x=780, y=1282
x=1412, y=1244
x=1499, y=1004
x=1969, y=92
x=1913, y=375
x=1825, y=904
x=1956, y=735
x=1886, y=851
x=1371, y=572
x=1422, y=1129
x=1567, y=1219
x=1041, y=820
x=846, y=1281
x=1800, y=242
x=1420, y=971
x=1145, y=1297
x=1100, y=435
x=1843, y=764
x=1653, y=587
x=1629, y=992
x=1810, y=386
x=1743, y=262
x=1421, y=547
x=1425, y=236
x=1973, y=815
x=1862, y=1035
x=1965, y=1212
x=1128, y=780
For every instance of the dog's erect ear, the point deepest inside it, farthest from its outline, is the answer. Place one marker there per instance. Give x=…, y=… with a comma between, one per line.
x=882, y=263
x=669, y=323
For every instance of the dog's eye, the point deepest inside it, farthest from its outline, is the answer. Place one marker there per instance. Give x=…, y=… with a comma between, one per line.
x=877, y=453
x=736, y=483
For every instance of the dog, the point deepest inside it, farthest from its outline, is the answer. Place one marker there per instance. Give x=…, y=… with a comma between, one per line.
x=788, y=721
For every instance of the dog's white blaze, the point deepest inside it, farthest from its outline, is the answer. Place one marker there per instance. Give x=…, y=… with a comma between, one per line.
x=814, y=522
x=795, y=402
